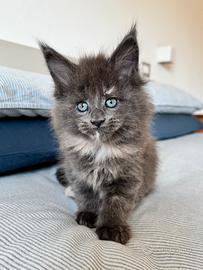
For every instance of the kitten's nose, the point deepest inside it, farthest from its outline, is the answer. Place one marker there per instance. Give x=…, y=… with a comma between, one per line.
x=97, y=123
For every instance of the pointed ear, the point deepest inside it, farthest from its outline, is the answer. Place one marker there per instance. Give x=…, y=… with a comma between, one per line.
x=60, y=68
x=125, y=58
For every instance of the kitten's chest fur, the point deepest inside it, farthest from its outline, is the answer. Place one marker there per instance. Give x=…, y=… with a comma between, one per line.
x=94, y=162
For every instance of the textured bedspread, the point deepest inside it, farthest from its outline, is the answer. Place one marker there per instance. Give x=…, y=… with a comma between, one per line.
x=38, y=231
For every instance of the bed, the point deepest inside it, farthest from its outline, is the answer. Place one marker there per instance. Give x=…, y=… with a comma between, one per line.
x=38, y=230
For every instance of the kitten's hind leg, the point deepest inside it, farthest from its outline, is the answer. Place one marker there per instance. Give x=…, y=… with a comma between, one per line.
x=60, y=175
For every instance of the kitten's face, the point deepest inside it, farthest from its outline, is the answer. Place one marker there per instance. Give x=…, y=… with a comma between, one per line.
x=98, y=113
x=96, y=103
x=99, y=97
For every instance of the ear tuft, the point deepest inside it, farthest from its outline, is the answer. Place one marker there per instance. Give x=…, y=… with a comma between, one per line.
x=125, y=58
x=46, y=50
x=60, y=68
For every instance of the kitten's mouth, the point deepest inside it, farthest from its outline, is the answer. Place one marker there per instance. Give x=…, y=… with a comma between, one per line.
x=99, y=129
x=97, y=132
x=104, y=132
x=101, y=133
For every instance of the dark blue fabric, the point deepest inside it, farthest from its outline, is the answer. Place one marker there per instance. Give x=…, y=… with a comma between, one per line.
x=30, y=142
x=165, y=126
x=26, y=142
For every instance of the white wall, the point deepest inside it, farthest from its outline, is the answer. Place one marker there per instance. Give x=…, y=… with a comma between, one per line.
x=79, y=26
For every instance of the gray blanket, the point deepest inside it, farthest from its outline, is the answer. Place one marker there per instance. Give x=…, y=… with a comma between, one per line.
x=38, y=230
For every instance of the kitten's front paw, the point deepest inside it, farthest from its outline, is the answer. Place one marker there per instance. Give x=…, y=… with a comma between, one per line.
x=117, y=233
x=86, y=218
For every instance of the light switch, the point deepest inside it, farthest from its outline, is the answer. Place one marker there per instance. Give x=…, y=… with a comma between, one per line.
x=164, y=55
x=145, y=70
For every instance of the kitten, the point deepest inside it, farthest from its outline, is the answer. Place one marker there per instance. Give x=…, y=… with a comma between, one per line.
x=102, y=119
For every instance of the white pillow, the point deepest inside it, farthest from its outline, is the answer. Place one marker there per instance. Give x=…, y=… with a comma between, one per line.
x=169, y=99
x=25, y=93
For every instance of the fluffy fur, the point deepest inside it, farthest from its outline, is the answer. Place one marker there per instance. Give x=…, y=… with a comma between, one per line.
x=112, y=167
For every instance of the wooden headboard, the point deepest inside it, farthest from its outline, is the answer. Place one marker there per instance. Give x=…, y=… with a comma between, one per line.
x=21, y=57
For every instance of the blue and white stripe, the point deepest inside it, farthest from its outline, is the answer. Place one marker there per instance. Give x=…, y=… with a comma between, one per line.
x=25, y=93
x=31, y=94
x=38, y=230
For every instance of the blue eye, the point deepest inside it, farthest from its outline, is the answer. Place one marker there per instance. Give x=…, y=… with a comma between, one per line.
x=111, y=102
x=82, y=106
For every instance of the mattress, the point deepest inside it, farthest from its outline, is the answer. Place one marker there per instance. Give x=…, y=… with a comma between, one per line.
x=38, y=230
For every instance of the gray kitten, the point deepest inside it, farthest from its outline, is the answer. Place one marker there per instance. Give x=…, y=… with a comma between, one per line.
x=102, y=119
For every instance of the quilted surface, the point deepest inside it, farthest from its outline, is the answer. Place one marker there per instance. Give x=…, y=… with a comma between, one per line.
x=38, y=230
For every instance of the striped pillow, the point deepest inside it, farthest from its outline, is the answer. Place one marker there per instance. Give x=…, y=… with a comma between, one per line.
x=25, y=93
x=169, y=99
x=31, y=94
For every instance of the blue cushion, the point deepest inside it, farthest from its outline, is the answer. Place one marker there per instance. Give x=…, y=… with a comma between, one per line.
x=26, y=142
x=165, y=126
